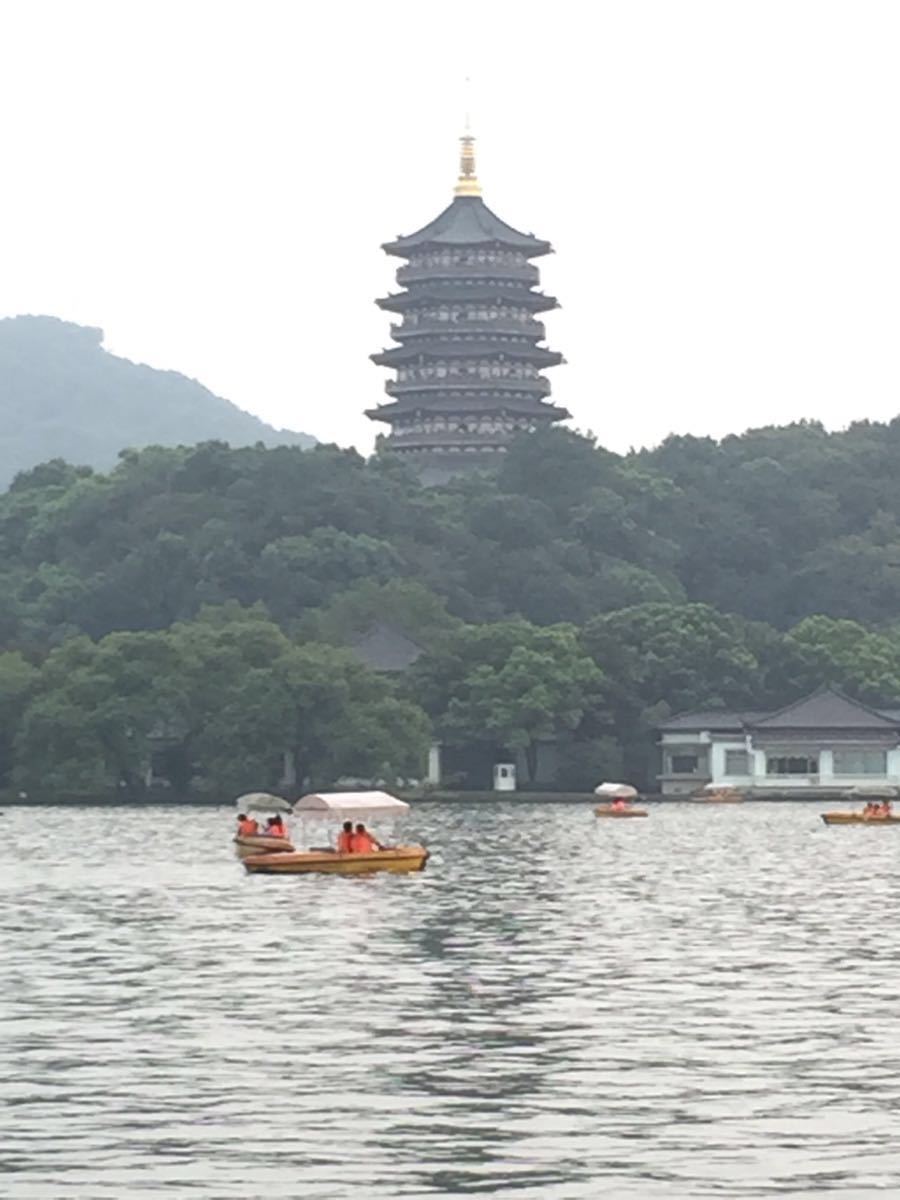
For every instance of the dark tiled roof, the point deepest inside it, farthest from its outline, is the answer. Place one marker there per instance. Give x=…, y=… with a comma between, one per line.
x=826, y=709
x=715, y=720
x=467, y=221
x=385, y=649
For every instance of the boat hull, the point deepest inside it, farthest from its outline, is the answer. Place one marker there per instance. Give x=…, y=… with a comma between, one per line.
x=845, y=818
x=258, y=843
x=399, y=860
x=604, y=810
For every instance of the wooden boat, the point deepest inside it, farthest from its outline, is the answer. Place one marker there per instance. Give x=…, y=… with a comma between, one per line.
x=857, y=818
x=259, y=843
x=607, y=810
x=396, y=859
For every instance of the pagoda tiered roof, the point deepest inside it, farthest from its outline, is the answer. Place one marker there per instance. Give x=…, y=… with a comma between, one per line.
x=465, y=348
x=467, y=221
x=461, y=293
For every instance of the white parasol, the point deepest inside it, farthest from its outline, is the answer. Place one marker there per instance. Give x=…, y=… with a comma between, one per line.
x=261, y=802
x=873, y=791
x=616, y=791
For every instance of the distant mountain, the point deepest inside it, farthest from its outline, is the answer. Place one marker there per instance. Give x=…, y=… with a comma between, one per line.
x=63, y=396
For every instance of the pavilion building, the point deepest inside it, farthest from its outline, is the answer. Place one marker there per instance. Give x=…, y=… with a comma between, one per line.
x=469, y=358
x=822, y=745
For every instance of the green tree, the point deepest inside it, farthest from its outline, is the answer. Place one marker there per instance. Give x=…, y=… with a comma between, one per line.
x=323, y=711
x=17, y=680
x=665, y=658
x=509, y=686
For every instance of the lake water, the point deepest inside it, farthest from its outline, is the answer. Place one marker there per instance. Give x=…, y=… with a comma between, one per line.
x=701, y=1004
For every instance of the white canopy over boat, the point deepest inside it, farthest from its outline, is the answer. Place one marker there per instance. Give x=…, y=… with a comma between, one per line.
x=261, y=802
x=616, y=791
x=346, y=805
x=873, y=791
x=719, y=787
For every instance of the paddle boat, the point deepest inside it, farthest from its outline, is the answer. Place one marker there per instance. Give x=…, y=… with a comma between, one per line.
x=872, y=794
x=258, y=803
x=858, y=818
x=620, y=798
x=334, y=808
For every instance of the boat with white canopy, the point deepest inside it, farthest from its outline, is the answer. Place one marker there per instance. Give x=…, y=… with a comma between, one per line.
x=619, y=799
x=333, y=808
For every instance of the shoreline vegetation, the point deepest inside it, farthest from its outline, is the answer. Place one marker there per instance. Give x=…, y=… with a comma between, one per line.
x=192, y=616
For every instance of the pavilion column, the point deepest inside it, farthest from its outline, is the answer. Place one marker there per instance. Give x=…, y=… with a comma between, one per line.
x=434, y=763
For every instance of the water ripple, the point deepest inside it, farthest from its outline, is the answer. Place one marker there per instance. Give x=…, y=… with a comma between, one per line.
x=697, y=1005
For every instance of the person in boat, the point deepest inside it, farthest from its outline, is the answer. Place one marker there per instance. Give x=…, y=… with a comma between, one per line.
x=345, y=838
x=363, y=842
x=246, y=826
x=275, y=827
x=619, y=804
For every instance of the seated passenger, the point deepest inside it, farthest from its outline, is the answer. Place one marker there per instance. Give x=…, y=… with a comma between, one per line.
x=363, y=842
x=275, y=827
x=246, y=826
x=345, y=839
x=619, y=803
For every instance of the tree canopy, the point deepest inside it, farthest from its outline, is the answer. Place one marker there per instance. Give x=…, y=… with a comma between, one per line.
x=573, y=593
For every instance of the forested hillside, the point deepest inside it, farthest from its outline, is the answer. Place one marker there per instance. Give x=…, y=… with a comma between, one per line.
x=61, y=393
x=574, y=594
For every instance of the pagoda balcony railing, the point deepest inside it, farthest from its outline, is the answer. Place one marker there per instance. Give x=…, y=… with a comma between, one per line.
x=478, y=271
x=452, y=329
x=459, y=386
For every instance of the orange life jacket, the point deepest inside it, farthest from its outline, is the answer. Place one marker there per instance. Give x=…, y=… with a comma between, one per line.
x=345, y=842
x=362, y=843
x=247, y=828
x=277, y=831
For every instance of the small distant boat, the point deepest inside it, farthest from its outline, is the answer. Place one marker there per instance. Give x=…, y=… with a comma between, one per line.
x=858, y=818
x=607, y=810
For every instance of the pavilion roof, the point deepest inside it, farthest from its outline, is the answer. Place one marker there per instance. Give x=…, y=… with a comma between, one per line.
x=826, y=709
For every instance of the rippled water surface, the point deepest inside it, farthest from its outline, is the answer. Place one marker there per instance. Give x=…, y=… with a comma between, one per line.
x=703, y=1003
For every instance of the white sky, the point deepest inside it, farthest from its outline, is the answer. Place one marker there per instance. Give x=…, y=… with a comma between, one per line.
x=210, y=181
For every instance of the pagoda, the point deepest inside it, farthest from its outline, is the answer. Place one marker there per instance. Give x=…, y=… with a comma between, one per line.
x=469, y=358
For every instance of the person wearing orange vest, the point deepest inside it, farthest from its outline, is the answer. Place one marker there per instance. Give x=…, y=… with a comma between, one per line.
x=345, y=839
x=275, y=827
x=363, y=842
x=247, y=827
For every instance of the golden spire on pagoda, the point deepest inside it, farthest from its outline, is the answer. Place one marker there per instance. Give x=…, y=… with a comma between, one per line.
x=467, y=184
